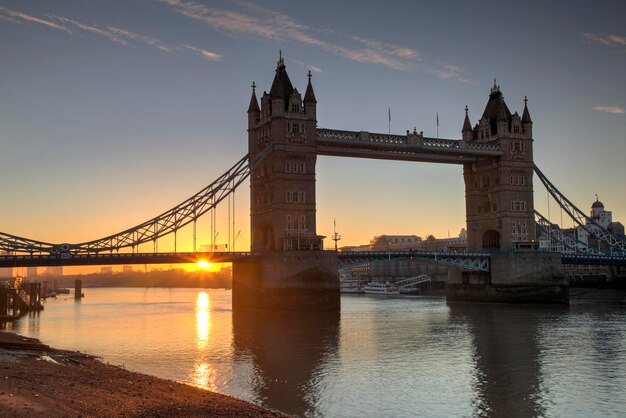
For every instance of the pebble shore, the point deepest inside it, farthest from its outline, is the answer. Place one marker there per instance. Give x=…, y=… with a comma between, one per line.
x=36, y=380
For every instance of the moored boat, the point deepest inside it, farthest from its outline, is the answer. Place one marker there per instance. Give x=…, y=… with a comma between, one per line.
x=380, y=288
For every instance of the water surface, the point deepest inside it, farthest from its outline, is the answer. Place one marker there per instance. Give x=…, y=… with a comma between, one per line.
x=380, y=356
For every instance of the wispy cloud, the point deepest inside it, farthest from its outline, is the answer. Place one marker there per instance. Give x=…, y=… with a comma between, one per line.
x=610, y=109
x=148, y=40
x=448, y=72
x=307, y=66
x=206, y=54
x=114, y=34
x=607, y=40
x=18, y=17
x=93, y=29
x=256, y=21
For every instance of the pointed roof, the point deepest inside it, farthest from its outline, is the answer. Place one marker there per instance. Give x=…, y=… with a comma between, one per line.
x=281, y=86
x=254, y=103
x=467, y=126
x=309, y=96
x=526, y=114
x=496, y=109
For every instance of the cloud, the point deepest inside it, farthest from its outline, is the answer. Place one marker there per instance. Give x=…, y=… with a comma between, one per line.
x=148, y=40
x=93, y=29
x=448, y=72
x=607, y=40
x=114, y=34
x=610, y=109
x=304, y=65
x=206, y=54
x=18, y=17
x=257, y=21
x=395, y=50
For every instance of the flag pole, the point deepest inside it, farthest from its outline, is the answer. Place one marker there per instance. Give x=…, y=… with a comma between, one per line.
x=437, y=125
x=389, y=121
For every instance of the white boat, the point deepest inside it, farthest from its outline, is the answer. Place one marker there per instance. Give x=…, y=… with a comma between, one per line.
x=380, y=288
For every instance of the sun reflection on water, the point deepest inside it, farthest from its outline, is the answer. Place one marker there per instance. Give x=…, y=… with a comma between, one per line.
x=203, y=323
x=203, y=375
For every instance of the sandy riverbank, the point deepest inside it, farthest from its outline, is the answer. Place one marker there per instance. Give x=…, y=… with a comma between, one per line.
x=36, y=380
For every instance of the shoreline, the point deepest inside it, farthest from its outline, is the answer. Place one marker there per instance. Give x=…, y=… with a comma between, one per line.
x=37, y=380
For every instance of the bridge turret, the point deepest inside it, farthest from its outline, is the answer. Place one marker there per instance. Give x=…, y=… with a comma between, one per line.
x=310, y=103
x=467, y=131
x=281, y=89
x=527, y=123
x=254, y=112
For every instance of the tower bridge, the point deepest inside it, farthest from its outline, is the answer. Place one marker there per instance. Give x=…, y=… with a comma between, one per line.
x=287, y=267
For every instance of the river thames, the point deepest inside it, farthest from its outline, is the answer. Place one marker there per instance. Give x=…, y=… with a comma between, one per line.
x=381, y=356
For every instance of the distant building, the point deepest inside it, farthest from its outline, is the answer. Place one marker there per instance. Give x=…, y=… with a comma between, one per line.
x=364, y=247
x=106, y=270
x=600, y=216
x=31, y=272
x=580, y=273
x=454, y=244
x=395, y=242
x=412, y=242
x=127, y=269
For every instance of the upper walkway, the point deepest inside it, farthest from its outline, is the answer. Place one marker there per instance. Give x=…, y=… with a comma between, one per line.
x=411, y=147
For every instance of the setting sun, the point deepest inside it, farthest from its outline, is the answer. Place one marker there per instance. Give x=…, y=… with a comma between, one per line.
x=204, y=265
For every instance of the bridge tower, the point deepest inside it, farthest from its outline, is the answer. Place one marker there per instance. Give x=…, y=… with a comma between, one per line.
x=499, y=192
x=282, y=191
x=500, y=215
x=291, y=272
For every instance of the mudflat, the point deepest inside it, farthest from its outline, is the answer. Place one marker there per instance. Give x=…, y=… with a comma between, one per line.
x=36, y=380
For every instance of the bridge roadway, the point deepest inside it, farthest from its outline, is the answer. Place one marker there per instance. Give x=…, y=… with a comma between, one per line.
x=463, y=261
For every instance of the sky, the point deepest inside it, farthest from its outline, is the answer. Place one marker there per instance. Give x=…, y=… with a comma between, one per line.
x=113, y=112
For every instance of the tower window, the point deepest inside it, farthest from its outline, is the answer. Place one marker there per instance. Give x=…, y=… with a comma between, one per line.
x=295, y=197
x=296, y=167
x=518, y=205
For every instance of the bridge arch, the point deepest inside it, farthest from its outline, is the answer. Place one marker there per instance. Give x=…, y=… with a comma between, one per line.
x=491, y=239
